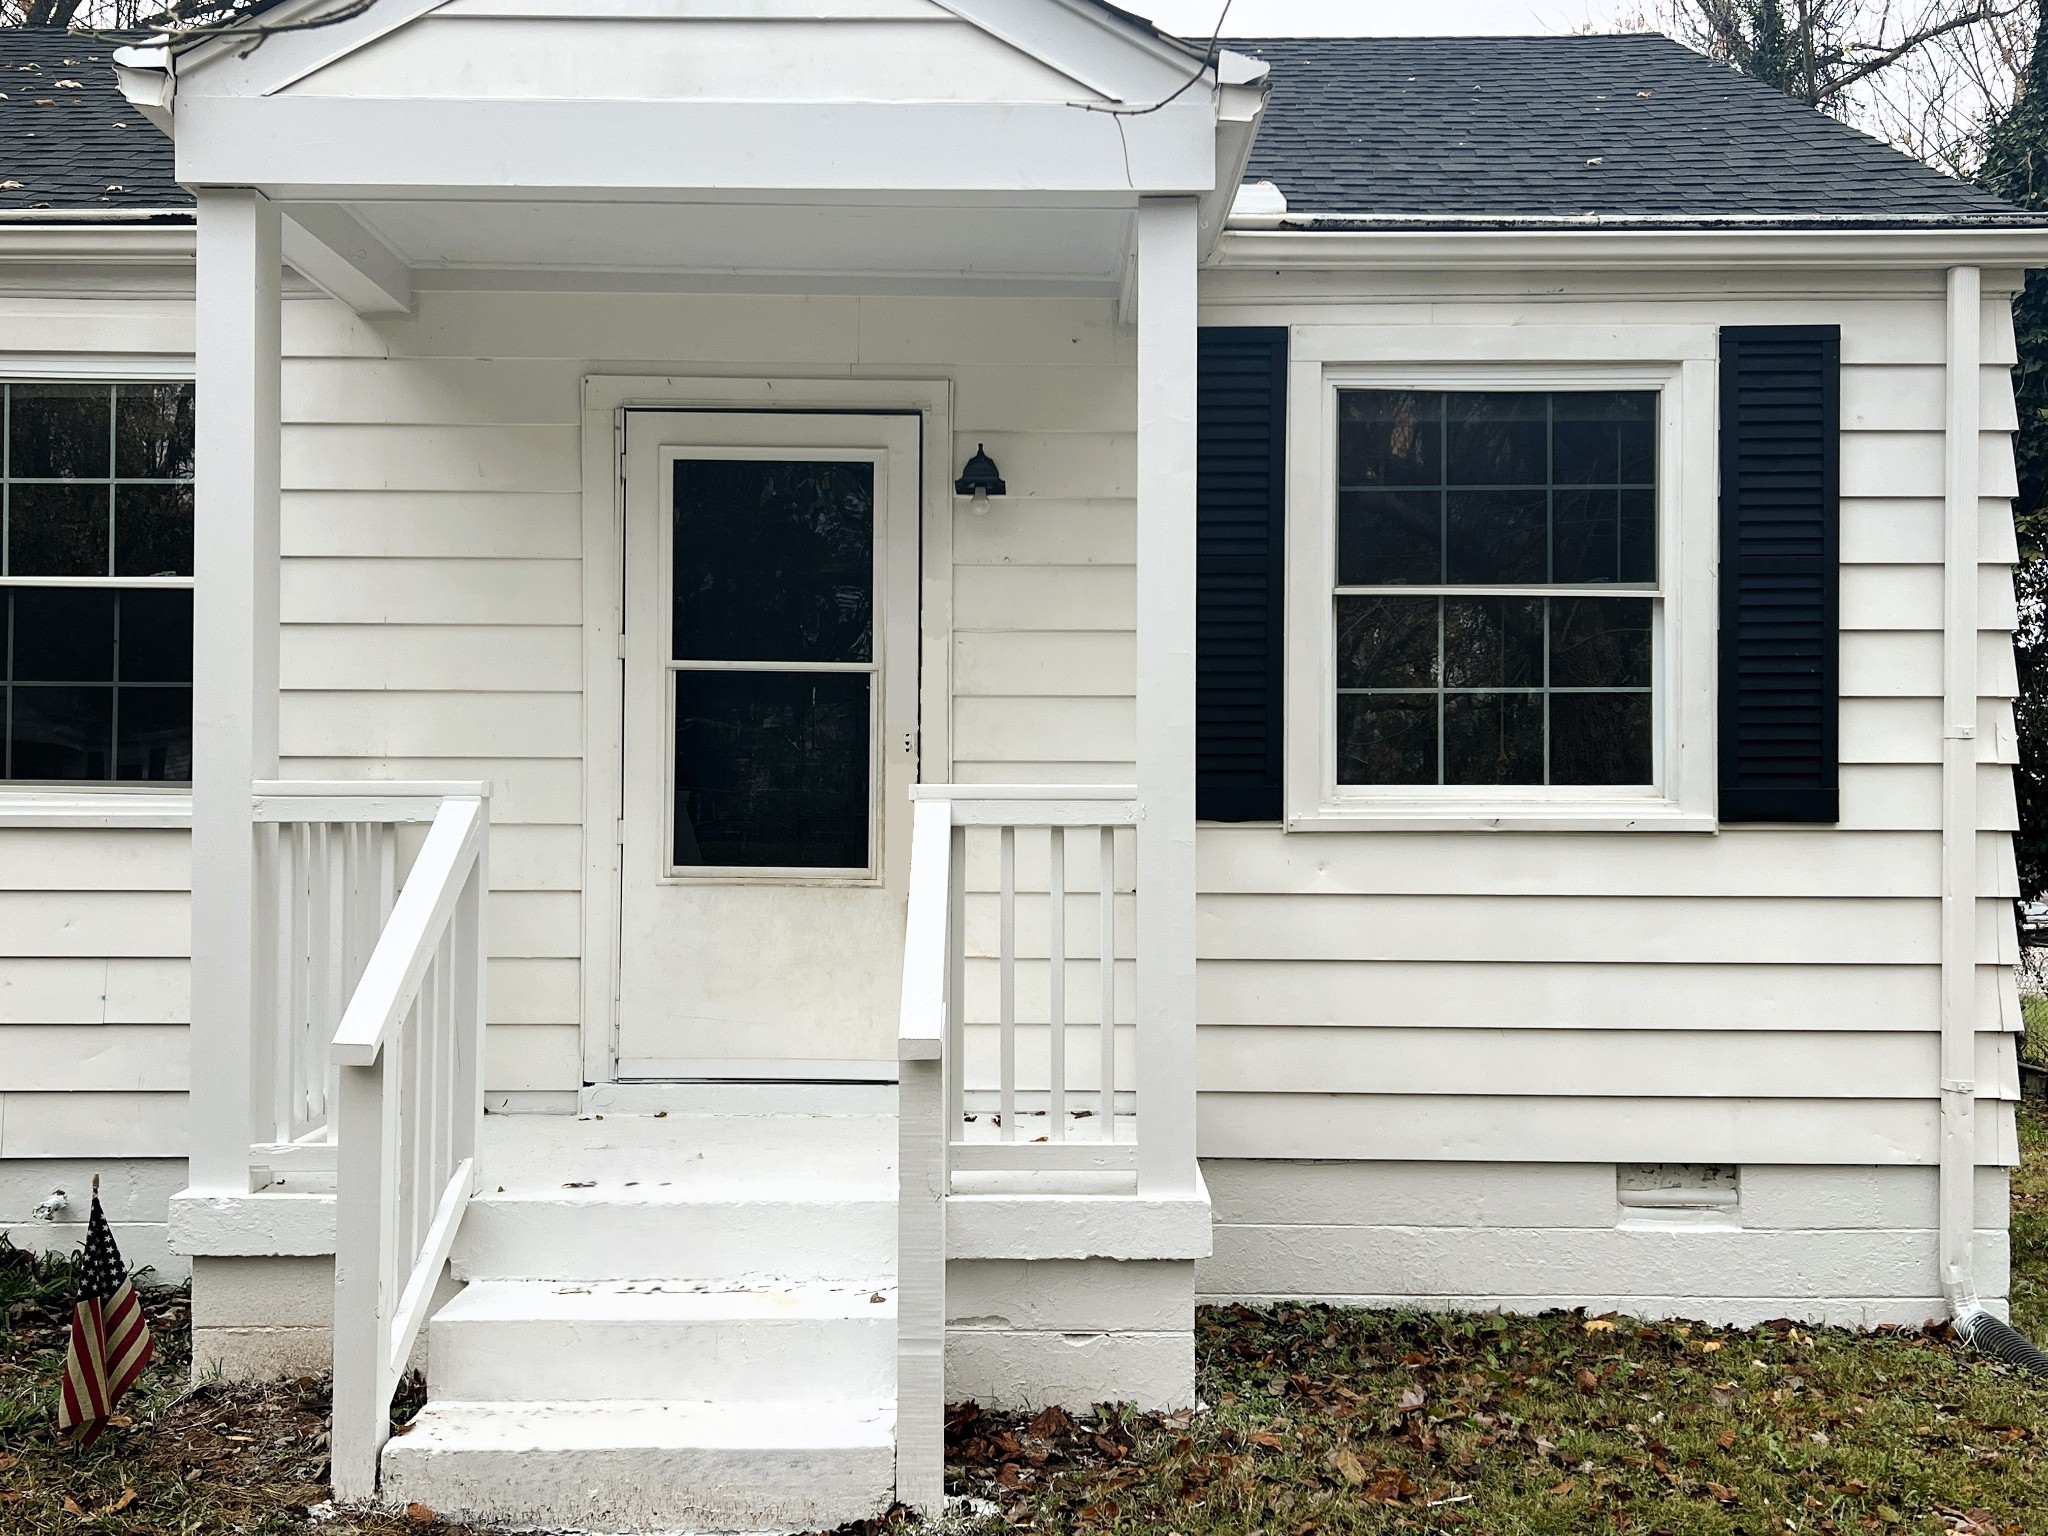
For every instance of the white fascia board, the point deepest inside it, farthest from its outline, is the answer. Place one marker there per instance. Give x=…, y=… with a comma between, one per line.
x=1340, y=250
x=396, y=148
x=229, y=66
x=331, y=249
x=1117, y=59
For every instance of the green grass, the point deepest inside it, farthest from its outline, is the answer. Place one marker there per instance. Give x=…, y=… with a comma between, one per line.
x=1332, y=1421
x=1336, y=1421
x=2030, y=1230
x=1320, y=1420
x=2034, y=1043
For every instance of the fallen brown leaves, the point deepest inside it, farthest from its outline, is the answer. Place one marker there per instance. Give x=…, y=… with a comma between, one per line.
x=1326, y=1422
x=206, y=1461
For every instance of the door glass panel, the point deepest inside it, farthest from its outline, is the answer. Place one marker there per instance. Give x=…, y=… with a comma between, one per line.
x=774, y=560
x=772, y=770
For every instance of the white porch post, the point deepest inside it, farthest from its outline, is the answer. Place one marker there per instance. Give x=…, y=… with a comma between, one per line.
x=1167, y=260
x=234, y=657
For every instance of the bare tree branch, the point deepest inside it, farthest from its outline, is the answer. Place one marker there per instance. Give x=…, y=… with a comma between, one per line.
x=1884, y=58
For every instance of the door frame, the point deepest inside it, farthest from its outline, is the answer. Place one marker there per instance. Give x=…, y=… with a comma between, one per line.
x=607, y=397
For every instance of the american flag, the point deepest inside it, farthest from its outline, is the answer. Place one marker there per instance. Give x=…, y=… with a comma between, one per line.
x=110, y=1342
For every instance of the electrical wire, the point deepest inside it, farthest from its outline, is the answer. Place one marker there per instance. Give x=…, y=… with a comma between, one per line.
x=1208, y=63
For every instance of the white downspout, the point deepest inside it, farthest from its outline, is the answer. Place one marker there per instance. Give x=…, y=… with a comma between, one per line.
x=1959, y=797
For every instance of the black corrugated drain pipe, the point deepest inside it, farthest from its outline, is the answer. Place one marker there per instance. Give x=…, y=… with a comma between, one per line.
x=1991, y=1336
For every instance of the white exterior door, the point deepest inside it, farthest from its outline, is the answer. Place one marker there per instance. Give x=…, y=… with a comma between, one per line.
x=771, y=630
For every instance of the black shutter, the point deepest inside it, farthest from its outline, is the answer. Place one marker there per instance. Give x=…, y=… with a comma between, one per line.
x=1241, y=512
x=1781, y=427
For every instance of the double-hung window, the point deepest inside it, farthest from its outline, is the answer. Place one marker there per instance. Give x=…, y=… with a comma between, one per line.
x=1496, y=593
x=1500, y=580
x=96, y=582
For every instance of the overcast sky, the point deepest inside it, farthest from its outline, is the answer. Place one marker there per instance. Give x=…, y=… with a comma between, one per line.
x=1343, y=18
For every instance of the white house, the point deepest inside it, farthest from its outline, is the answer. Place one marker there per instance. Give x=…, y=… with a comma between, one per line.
x=578, y=574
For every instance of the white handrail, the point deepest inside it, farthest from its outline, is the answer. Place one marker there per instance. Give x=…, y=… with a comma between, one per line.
x=407, y=945
x=408, y=1058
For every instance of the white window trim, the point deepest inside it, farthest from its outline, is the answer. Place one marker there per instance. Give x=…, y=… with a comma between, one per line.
x=96, y=805
x=1687, y=530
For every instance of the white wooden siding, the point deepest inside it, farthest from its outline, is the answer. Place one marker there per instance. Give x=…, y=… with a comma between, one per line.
x=1759, y=996
x=1764, y=995
x=433, y=589
x=95, y=931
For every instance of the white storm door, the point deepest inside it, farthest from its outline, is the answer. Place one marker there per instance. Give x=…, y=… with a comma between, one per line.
x=771, y=631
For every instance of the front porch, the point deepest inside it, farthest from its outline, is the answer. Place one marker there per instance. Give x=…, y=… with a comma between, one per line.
x=999, y=1196
x=1001, y=1224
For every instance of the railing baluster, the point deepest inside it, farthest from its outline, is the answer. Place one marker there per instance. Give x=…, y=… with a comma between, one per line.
x=323, y=1010
x=300, y=1025
x=1056, y=983
x=955, y=1080
x=1006, y=962
x=1106, y=1042
x=442, y=1077
x=271, y=1047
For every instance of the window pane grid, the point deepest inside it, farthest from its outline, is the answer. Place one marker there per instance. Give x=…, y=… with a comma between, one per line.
x=95, y=582
x=81, y=500
x=1496, y=588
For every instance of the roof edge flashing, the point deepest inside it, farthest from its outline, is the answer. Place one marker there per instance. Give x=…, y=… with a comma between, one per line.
x=1303, y=220
x=1922, y=246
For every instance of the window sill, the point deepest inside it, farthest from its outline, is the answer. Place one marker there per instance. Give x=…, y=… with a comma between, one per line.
x=1645, y=816
x=25, y=806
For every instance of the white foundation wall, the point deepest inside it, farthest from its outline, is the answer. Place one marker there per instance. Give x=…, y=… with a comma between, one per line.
x=95, y=928
x=1024, y=1333
x=1489, y=1022
x=1847, y=1247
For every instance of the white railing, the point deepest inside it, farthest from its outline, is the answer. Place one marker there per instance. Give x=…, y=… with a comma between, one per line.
x=329, y=860
x=1014, y=1043
x=404, y=1100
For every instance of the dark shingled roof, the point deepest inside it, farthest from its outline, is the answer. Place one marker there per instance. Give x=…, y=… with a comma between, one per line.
x=1546, y=128
x=1560, y=127
x=68, y=140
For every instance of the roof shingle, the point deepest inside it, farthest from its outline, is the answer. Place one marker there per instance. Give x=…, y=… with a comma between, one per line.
x=1543, y=128
x=68, y=139
x=1563, y=127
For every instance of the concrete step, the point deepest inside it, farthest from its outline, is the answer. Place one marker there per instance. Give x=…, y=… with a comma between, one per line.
x=521, y=1341
x=619, y=1233
x=716, y=1156
x=639, y=1466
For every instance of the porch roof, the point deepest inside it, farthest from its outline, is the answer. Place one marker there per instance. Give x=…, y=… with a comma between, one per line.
x=1360, y=132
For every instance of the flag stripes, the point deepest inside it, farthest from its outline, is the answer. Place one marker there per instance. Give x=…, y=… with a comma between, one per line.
x=110, y=1342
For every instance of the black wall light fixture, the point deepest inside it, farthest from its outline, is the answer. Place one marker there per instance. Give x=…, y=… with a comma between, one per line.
x=981, y=480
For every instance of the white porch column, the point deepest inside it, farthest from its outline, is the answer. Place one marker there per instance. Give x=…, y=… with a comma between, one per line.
x=234, y=657
x=1167, y=260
